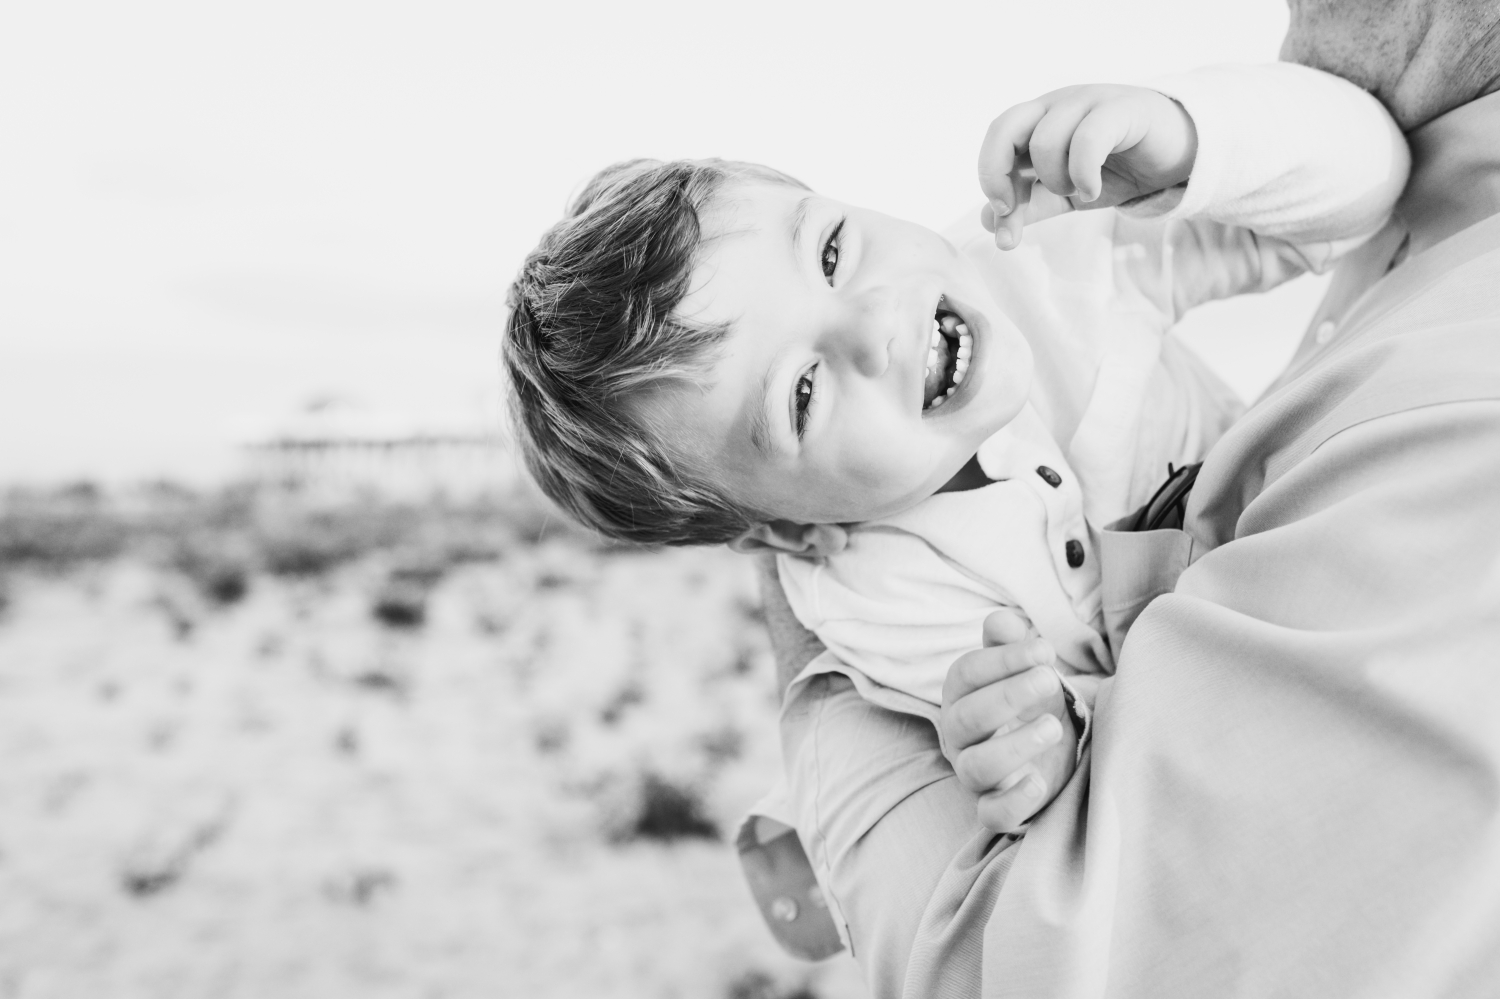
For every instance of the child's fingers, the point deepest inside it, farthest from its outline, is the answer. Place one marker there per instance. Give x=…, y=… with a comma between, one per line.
x=1001, y=154
x=994, y=763
x=1051, y=139
x=1004, y=627
x=1043, y=204
x=997, y=708
x=1007, y=811
x=980, y=668
x=1105, y=129
x=1008, y=228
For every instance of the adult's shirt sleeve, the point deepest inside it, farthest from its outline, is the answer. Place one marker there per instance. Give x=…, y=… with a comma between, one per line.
x=908, y=874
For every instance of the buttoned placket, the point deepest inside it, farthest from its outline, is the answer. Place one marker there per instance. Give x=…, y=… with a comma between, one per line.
x=1031, y=456
x=1362, y=270
x=1072, y=554
x=1326, y=329
x=1067, y=535
x=1077, y=569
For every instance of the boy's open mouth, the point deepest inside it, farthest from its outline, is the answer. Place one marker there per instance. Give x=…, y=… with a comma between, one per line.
x=948, y=354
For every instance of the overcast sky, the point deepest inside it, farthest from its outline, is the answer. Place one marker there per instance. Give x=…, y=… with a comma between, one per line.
x=210, y=213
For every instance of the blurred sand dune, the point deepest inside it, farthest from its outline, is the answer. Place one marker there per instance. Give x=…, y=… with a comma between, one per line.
x=265, y=743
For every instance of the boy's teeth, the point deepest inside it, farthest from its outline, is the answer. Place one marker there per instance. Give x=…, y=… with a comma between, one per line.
x=934, y=346
x=964, y=353
x=951, y=342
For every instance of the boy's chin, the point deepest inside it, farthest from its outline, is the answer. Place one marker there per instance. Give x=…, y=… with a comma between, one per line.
x=1006, y=395
x=985, y=415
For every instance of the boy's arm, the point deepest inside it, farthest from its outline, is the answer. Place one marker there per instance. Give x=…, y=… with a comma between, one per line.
x=1260, y=173
x=1229, y=180
x=1288, y=151
x=1294, y=168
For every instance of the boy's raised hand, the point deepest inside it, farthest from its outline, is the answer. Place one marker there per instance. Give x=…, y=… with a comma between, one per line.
x=1006, y=722
x=1095, y=145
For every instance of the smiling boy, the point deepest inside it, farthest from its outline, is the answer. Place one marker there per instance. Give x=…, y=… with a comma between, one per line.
x=820, y=408
x=922, y=428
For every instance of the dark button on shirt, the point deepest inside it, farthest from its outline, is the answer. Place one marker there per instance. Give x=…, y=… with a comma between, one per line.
x=1074, y=549
x=1049, y=477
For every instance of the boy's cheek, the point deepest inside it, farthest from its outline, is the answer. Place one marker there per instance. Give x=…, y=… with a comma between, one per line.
x=889, y=462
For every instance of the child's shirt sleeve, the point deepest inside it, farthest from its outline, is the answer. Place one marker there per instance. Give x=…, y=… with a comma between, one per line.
x=1295, y=167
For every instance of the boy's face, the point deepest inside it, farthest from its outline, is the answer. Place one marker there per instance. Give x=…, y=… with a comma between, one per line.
x=818, y=409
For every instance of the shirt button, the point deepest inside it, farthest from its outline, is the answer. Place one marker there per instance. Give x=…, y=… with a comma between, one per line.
x=1074, y=549
x=1324, y=333
x=1049, y=477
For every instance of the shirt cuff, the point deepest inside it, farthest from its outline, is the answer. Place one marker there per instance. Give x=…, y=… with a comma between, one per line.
x=834, y=791
x=784, y=887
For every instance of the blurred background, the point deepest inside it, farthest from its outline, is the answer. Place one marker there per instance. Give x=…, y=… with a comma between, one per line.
x=303, y=690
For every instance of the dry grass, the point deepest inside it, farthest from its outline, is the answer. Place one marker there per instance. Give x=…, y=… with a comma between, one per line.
x=268, y=743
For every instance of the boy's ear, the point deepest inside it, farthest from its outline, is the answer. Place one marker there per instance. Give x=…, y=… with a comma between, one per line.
x=793, y=539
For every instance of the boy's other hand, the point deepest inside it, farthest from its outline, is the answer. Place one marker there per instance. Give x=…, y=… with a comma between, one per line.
x=1095, y=145
x=1005, y=720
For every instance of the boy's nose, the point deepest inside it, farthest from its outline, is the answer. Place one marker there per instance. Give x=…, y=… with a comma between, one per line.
x=868, y=335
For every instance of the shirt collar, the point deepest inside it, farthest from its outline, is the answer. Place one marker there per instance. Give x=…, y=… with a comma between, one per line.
x=1455, y=176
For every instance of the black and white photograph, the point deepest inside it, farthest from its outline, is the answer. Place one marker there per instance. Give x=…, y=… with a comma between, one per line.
x=658, y=498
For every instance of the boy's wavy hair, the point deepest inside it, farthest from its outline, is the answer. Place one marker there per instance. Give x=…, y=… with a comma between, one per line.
x=591, y=330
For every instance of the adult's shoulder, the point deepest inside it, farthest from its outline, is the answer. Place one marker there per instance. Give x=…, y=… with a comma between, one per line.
x=1426, y=335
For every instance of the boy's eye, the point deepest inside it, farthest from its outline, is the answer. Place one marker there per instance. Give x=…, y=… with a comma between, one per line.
x=807, y=385
x=830, y=258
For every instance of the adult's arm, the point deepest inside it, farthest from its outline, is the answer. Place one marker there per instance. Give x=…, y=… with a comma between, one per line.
x=896, y=817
